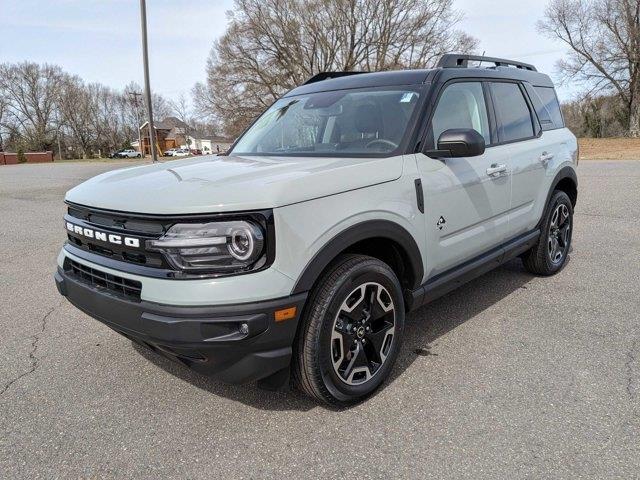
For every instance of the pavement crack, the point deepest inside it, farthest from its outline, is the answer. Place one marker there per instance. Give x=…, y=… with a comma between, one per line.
x=35, y=339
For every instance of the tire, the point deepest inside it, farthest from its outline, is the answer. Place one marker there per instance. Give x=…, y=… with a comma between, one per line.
x=550, y=254
x=350, y=332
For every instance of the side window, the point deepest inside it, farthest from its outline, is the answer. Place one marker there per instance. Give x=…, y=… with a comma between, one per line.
x=514, y=117
x=551, y=104
x=461, y=105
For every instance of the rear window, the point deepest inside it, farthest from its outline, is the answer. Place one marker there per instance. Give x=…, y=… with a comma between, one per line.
x=551, y=105
x=514, y=117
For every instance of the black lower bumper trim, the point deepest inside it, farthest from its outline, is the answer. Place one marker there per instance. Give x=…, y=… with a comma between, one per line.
x=236, y=343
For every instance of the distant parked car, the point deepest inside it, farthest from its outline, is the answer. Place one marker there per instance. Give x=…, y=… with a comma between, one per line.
x=127, y=153
x=181, y=152
x=170, y=152
x=196, y=151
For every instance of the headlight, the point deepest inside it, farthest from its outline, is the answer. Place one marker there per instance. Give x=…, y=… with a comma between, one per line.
x=215, y=247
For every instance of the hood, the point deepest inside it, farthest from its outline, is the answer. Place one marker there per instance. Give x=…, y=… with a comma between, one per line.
x=213, y=184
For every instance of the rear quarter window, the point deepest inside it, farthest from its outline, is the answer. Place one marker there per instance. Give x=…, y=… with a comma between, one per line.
x=547, y=107
x=550, y=101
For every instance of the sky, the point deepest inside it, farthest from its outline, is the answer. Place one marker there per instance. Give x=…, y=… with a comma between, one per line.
x=99, y=40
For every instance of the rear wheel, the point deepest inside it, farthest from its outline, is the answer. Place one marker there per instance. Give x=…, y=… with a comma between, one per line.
x=549, y=255
x=351, y=331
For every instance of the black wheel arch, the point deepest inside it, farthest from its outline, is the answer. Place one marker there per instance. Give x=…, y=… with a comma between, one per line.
x=567, y=181
x=392, y=240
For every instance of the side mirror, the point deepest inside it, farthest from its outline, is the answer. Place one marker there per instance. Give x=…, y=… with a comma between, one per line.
x=458, y=142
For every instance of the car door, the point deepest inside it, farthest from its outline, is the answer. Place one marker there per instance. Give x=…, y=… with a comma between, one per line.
x=466, y=199
x=519, y=128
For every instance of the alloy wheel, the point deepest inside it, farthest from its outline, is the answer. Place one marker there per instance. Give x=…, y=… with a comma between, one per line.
x=362, y=334
x=559, y=234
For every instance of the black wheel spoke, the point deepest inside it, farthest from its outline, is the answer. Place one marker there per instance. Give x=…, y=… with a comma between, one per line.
x=357, y=363
x=563, y=215
x=370, y=300
x=352, y=316
x=376, y=341
x=341, y=345
x=562, y=236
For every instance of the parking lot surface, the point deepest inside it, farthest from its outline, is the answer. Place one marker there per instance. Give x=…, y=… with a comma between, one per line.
x=511, y=376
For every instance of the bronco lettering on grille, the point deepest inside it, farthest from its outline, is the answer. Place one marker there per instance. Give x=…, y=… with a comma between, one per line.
x=103, y=236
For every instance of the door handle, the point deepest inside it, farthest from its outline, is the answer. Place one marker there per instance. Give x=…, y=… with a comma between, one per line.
x=545, y=158
x=496, y=170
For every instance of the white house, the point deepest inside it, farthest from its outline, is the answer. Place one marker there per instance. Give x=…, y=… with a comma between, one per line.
x=207, y=143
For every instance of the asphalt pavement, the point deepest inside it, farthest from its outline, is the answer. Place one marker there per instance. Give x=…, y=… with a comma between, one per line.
x=511, y=376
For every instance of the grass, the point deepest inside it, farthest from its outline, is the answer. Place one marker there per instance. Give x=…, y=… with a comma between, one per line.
x=609, y=148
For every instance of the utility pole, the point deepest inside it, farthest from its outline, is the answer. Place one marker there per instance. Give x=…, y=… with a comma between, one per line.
x=135, y=96
x=147, y=84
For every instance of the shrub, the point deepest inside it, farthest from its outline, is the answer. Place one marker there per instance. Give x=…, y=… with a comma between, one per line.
x=21, y=156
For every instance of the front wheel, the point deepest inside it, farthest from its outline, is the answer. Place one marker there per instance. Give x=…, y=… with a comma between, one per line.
x=351, y=331
x=549, y=255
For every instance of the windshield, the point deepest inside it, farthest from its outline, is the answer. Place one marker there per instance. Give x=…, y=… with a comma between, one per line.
x=337, y=123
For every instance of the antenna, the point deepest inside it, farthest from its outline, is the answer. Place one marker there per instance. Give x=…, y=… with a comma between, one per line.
x=480, y=62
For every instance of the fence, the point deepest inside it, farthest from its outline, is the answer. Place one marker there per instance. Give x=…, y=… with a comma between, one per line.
x=31, y=157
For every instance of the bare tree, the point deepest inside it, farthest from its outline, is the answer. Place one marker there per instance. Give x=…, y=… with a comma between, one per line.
x=77, y=112
x=30, y=93
x=3, y=107
x=41, y=105
x=271, y=46
x=181, y=109
x=107, y=120
x=604, y=37
x=160, y=105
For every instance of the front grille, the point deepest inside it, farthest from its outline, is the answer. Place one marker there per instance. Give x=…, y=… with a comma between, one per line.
x=119, y=224
x=132, y=231
x=97, y=278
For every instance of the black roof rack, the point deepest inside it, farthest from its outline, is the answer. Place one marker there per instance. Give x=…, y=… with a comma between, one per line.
x=318, y=77
x=452, y=60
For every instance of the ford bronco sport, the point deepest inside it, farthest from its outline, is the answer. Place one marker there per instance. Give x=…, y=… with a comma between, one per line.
x=352, y=200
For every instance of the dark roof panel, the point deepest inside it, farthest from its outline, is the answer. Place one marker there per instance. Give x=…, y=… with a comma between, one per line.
x=416, y=77
x=364, y=80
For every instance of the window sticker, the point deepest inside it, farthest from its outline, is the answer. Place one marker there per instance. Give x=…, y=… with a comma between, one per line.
x=407, y=97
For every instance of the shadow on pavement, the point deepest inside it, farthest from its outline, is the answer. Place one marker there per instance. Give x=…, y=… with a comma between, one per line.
x=422, y=328
x=425, y=325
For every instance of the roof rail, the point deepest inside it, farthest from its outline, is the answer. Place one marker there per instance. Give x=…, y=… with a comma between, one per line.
x=453, y=60
x=318, y=77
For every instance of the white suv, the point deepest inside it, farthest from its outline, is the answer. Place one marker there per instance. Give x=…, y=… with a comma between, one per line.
x=352, y=200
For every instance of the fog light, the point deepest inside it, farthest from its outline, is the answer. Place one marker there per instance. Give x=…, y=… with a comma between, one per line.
x=244, y=328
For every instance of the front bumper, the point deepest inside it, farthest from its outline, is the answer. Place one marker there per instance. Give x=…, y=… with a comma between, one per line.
x=207, y=339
